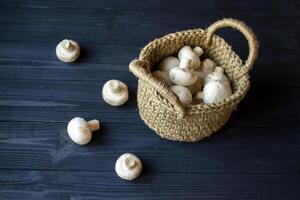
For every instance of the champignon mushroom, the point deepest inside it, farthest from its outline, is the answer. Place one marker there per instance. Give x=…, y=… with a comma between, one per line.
x=67, y=50
x=196, y=87
x=162, y=76
x=128, y=166
x=115, y=92
x=183, y=94
x=168, y=63
x=185, y=50
x=198, y=50
x=181, y=75
x=80, y=131
x=207, y=67
x=216, y=75
x=215, y=91
x=198, y=98
x=188, y=53
x=186, y=64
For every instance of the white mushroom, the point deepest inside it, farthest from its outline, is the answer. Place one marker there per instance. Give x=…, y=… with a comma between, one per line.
x=163, y=77
x=198, y=98
x=217, y=86
x=128, y=166
x=188, y=53
x=207, y=66
x=216, y=75
x=186, y=64
x=196, y=87
x=168, y=63
x=198, y=50
x=181, y=76
x=185, y=50
x=67, y=50
x=115, y=92
x=183, y=94
x=80, y=131
x=215, y=91
x=199, y=95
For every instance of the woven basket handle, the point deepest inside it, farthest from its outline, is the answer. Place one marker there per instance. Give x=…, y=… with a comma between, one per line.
x=247, y=32
x=141, y=69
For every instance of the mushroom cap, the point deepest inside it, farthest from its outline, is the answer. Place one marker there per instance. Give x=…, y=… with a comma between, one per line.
x=215, y=91
x=183, y=94
x=67, y=50
x=163, y=77
x=168, y=63
x=208, y=65
x=182, y=77
x=184, y=51
x=128, y=166
x=79, y=131
x=115, y=92
x=187, y=52
x=198, y=50
x=216, y=75
x=198, y=98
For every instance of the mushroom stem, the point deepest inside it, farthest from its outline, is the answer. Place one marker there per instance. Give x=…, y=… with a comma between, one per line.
x=115, y=86
x=129, y=163
x=185, y=63
x=93, y=124
x=67, y=44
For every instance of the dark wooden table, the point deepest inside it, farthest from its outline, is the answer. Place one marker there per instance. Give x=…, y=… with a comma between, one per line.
x=255, y=156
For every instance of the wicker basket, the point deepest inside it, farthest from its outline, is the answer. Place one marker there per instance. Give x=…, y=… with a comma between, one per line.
x=161, y=109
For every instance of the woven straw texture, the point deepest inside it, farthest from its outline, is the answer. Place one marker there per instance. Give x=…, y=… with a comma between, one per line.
x=161, y=109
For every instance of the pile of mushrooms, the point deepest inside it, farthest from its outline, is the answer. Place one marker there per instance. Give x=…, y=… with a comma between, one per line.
x=192, y=80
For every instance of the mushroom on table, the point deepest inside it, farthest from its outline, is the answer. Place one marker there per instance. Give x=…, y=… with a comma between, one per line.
x=128, y=166
x=67, y=50
x=115, y=92
x=80, y=131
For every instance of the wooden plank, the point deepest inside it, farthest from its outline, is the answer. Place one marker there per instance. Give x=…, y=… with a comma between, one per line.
x=36, y=145
x=106, y=185
x=142, y=33
x=59, y=101
x=109, y=23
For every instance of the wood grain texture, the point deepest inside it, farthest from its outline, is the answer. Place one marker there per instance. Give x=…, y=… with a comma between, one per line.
x=271, y=149
x=106, y=185
x=255, y=156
